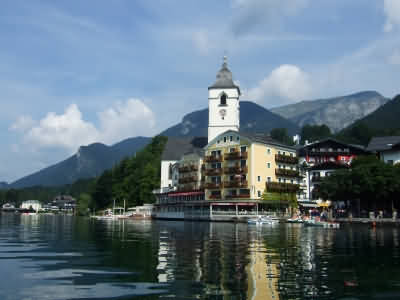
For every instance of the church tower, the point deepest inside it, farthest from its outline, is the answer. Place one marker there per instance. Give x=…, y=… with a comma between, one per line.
x=223, y=104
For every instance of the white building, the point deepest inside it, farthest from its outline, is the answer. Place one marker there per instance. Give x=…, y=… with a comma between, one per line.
x=31, y=204
x=387, y=148
x=223, y=104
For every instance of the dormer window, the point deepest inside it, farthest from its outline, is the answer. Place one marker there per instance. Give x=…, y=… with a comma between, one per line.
x=223, y=100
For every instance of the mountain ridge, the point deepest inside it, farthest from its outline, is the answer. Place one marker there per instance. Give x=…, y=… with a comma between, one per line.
x=337, y=112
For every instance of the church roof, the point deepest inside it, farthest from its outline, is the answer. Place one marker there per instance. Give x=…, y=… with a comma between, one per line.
x=176, y=147
x=224, y=78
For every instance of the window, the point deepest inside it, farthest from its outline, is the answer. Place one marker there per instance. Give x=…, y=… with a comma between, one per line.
x=243, y=149
x=268, y=179
x=237, y=138
x=279, y=152
x=291, y=181
x=284, y=180
x=269, y=165
x=218, y=142
x=268, y=151
x=258, y=178
x=224, y=139
x=259, y=193
x=242, y=163
x=284, y=153
x=279, y=179
x=223, y=99
x=291, y=154
x=231, y=138
x=232, y=150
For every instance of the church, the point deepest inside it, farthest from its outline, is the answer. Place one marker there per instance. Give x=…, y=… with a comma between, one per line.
x=227, y=175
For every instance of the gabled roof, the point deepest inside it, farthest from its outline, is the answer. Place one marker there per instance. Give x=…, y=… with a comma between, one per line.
x=176, y=147
x=353, y=147
x=254, y=138
x=383, y=143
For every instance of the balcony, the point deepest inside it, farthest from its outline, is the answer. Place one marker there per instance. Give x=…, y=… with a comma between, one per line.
x=235, y=184
x=316, y=178
x=213, y=158
x=188, y=179
x=213, y=172
x=277, y=187
x=286, y=159
x=287, y=173
x=190, y=188
x=237, y=196
x=235, y=155
x=212, y=185
x=184, y=169
x=235, y=170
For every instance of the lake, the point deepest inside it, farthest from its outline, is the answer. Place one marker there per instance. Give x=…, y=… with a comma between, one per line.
x=65, y=257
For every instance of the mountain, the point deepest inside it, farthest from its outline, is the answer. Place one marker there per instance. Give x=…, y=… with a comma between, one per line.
x=385, y=117
x=3, y=185
x=88, y=162
x=336, y=113
x=382, y=122
x=253, y=118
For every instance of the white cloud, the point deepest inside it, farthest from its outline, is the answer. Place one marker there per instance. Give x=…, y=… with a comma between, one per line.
x=69, y=130
x=285, y=84
x=22, y=124
x=127, y=119
x=391, y=9
x=250, y=13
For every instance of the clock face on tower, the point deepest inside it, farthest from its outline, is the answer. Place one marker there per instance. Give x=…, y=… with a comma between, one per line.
x=222, y=112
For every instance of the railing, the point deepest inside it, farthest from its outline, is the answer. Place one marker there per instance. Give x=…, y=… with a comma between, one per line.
x=235, y=183
x=211, y=185
x=184, y=169
x=235, y=170
x=213, y=158
x=236, y=196
x=286, y=159
x=213, y=172
x=286, y=172
x=214, y=197
x=282, y=187
x=236, y=155
x=190, y=188
x=188, y=179
x=316, y=178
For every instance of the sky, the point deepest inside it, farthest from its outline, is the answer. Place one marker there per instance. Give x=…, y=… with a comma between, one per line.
x=76, y=72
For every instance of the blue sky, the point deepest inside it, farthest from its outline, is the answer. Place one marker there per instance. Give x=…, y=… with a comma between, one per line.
x=77, y=72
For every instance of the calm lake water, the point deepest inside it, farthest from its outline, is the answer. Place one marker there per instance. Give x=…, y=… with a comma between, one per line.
x=62, y=257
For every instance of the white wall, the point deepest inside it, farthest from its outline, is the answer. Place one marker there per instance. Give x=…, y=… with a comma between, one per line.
x=390, y=155
x=217, y=125
x=166, y=181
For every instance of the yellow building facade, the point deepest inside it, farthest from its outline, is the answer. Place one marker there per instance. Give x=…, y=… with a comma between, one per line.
x=240, y=166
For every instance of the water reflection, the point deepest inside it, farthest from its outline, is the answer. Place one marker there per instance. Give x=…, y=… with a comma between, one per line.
x=73, y=258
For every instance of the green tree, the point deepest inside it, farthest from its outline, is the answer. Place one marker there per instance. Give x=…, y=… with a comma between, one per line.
x=83, y=204
x=313, y=133
x=281, y=135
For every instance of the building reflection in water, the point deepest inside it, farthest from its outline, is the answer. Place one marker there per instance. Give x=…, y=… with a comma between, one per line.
x=262, y=272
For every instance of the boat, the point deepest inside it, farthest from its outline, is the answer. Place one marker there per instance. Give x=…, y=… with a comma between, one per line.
x=295, y=220
x=318, y=223
x=263, y=221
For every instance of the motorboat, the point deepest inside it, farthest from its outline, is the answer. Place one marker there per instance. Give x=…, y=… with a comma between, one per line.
x=318, y=223
x=263, y=221
x=295, y=220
